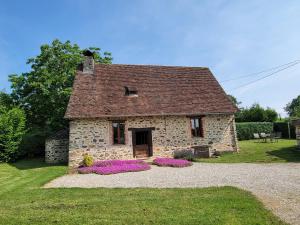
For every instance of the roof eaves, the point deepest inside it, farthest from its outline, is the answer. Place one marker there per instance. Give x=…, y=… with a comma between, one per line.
x=151, y=115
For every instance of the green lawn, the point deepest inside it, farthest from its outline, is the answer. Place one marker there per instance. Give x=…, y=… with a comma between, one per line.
x=23, y=201
x=250, y=151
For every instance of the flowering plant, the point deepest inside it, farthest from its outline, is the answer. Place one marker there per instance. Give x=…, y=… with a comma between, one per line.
x=171, y=162
x=106, y=167
x=103, y=163
x=121, y=168
x=88, y=160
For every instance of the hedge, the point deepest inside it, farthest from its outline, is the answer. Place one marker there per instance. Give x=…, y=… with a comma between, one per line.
x=283, y=128
x=12, y=130
x=246, y=130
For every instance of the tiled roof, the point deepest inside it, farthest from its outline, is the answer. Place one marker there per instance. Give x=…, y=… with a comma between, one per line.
x=161, y=90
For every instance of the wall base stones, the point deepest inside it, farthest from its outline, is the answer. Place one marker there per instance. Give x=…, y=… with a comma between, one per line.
x=171, y=133
x=76, y=156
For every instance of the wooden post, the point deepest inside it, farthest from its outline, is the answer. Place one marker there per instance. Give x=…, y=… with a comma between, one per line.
x=289, y=130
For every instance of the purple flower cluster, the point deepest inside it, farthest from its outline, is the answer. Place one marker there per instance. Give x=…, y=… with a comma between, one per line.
x=171, y=162
x=106, y=167
x=121, y=168
x=103, y=163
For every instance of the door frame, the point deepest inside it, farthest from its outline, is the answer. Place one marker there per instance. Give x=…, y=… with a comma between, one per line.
x=149, y=137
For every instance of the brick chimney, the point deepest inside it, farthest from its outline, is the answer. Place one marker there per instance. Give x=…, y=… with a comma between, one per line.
x=88, y=63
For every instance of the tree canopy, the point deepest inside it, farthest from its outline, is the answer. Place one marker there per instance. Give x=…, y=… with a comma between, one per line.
x=293, y=107
x=6, y=100
x=234, y=100
x=256, y=113
x=44, y=91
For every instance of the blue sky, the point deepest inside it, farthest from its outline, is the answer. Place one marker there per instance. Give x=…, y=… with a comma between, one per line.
x=232, y=38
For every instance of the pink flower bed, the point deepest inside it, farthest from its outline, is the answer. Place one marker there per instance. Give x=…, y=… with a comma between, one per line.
x=121, y=168
x=106, y=167
x=171, y=162
x=103, y=163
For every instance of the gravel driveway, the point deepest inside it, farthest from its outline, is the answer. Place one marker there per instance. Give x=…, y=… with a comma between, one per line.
x=276, y=185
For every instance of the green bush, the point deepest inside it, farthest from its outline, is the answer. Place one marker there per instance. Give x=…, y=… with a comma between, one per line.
x=88, y=160
x=246, y=130
x=12, y=130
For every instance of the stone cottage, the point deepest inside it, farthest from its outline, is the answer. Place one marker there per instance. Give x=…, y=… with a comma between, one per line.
x=138, y=111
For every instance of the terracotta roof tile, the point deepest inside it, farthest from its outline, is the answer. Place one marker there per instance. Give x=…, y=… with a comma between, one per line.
x=162, y=90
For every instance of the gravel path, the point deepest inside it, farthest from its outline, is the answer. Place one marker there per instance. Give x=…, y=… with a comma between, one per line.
x=276, y=185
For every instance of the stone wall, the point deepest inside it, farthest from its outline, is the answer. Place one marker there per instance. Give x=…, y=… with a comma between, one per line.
x=94, y=136
x=56, y=150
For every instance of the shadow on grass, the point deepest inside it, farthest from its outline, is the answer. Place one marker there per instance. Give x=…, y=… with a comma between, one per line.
x=290, y=154
x=27, y=164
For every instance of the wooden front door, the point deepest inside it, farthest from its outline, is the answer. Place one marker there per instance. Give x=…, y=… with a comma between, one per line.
x=142, y=143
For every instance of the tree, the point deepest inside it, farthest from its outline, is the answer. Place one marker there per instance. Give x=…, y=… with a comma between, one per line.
x=234, y=100
x=12, y=130
x=44, y=91
x=238, y=115
x=256, y=113
x=6, y=100
x=271, y=115
x=293, y=107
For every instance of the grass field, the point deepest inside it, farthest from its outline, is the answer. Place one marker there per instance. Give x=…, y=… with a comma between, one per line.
x=23, y=201
x=250, y=151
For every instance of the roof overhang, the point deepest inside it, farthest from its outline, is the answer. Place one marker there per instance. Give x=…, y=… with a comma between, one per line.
x=150, y=115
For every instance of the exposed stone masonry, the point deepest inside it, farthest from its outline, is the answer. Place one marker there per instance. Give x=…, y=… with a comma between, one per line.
x=56, y=150
x=94, y=136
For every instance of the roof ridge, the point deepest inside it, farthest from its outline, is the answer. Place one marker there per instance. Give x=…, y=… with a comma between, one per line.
x=151, y=65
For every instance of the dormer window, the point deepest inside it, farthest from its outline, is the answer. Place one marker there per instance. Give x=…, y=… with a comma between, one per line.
x=131, y=91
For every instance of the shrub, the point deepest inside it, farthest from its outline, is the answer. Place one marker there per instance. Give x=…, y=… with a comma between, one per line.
x=246, y=130
x=12, y=130
x=88, y=160
x=171, y=162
